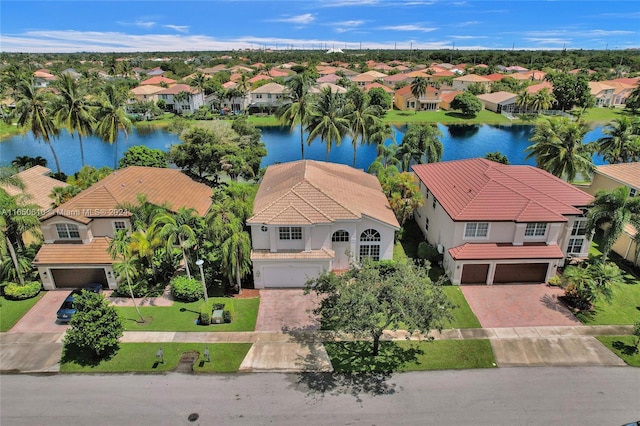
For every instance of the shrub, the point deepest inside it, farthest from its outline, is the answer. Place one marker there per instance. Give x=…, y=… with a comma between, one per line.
x=229, y=312
x=555, y=281
x=15, y=291
x=636, y=332
x=185, y=289
x=428, y=252
x=205, y=313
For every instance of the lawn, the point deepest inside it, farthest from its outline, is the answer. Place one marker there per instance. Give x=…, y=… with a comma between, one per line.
x=7, y=130
x=605, y=115
x=182, y=316
x=264, y=120
x=463, y=316
x=12, y=310
x=141, y=357
x=624, y=307
x=624, y=347
x=410, y=356
x=443, y=117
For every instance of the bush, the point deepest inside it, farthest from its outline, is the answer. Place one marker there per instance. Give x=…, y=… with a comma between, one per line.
x=555, y=281
x=15, y=291
x=205, y=313
x=428, y=252
x=229, y=312
x=185, y=289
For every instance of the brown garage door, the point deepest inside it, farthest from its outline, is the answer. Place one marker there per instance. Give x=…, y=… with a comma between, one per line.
x=474, y=274
x=520, y=273
x=78, y=277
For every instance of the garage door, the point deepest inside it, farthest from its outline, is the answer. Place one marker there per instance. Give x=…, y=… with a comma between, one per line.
x=78, y=277
x=521, y=273
x=283, y=276
x=474, y=274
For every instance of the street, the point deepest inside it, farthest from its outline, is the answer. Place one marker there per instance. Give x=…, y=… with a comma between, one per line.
x=506, y=396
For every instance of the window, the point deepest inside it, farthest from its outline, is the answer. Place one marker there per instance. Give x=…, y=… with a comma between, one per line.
x=575, y=245
x=633, y=192
x=119, y=225
x=370, y=235
x=370, y=251
x=434, y=202
x=264, y=228
x=426, y=225
x=290, y=233
x=535, y=230
x=340, y=236
x=258, y=96
x=67, y=231
x=476, y=230
x=579, y=227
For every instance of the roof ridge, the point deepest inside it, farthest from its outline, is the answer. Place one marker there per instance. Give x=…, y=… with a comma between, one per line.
x=329, y=196
x=304, y=180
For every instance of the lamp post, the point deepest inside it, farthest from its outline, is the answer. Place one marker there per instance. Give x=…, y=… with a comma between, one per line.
x=200, y=262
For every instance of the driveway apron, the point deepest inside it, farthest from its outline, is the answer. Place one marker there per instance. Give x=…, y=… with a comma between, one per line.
x=286, y=310
x=41, y=318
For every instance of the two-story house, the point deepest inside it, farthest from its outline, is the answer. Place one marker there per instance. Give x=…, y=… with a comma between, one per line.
x=182, y=98
x=463, y=82
x=310, y=217
x=429, y=101
x=77, y=233
x=269, y=96
x=495, y=223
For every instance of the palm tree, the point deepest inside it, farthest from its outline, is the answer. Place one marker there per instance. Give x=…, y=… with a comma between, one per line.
x=112, y=117
x=420, y=144
x=144, y=243
x=543, y=99
x=524, y=99
x=120, y=248
x=298, y=111
x=24, y=162
x=236, y=254
x=179, y=98
x=615, y=209
x=62, y=194
x=418, y=89
x=558, y=148
x=362, y=118
x=621, y=143
x=71, y=109
x=178, y=226
x=327, y=120
x=33, y=114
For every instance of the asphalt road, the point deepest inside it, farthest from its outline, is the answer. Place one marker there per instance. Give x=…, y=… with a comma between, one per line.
x=506, y=396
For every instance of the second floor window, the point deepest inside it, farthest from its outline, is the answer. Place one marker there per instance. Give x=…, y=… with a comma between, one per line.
x=476, y=230
x=535, y=230
x=579, y=227
x=575, y=245
x=119, y=225
x=67, y=231
x=340, y=236
x=290, y=233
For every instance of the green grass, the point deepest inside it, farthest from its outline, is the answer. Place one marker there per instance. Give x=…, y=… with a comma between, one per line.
x=624, y=347
x=141, y=357
x=443, y=117
x=397, y=356
x=463, y=316
x=624, y=307
x=264, y=120
x=181, y=316
x=605, y=115
x=12, y=310
x=7, y=130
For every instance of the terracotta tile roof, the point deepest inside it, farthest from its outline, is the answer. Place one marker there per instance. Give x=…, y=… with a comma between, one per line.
x=496, y=76
x=157, y=80
x=333, y=87
x=625, y=173
x=177, y=88
x=479, y=189
x=308, y=192
x=473, y=78
x=328, y=78
x=260, y=77
x=448, y=96
x=535, y=88
x=146, y=90
x=445, y=73
x=482, y=251
x=375, y=84
x=161, y=186
x=631, y=80
x=597, y=87
x=323, y=253
x=37, y=184
x=397, y=77
x=498, y=97
x=271, y=88
x=93, y=253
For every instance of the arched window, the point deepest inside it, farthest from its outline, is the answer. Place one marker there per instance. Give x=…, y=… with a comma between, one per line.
x=371, y=246
x=340, y=236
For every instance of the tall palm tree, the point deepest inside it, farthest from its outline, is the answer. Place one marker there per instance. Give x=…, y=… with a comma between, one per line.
x=236, y=254
x=24, y=162
x=33, y=114
x=179, y=99
x=543, y=99
x=615, y=209
x=72, y=110
x=524, y=99
x=144, y=243
x=622, y=141
x=120, y=249
x=420, y=144
x=178, y=226
x=362, y=118
x=327, y=120
x=418, y=89
x=61, y=194
x=558, y=148
x=298, y=110
x=112, y=118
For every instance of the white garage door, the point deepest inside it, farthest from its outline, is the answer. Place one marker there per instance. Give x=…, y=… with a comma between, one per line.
x=288, y=276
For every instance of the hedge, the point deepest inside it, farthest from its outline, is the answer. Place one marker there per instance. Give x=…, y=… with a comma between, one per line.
x=185, y=289
x=15, y=291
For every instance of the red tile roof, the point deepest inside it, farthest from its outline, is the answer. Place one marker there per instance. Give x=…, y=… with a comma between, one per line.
x=479, y=189
x=157, y=80
x=93, y=253
x=487, y=251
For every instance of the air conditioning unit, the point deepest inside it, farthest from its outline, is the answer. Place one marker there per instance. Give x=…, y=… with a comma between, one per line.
x=440, y=249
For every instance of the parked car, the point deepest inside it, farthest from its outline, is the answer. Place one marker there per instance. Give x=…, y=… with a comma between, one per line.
x=67, y=309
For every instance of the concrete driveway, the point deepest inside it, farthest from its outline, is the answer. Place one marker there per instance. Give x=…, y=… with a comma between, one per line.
x=518, y=305
x=41, y=318
x=286, y=310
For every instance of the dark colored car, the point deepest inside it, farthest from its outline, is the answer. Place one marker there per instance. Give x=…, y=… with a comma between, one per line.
x=67, y=310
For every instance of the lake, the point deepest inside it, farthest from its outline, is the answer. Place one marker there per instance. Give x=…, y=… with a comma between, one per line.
x=459, y=141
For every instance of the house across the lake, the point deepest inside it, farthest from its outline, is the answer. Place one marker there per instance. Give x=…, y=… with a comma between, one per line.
x=310, y=217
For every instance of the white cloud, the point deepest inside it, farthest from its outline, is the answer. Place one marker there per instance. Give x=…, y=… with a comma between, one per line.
x=139, y=23
x=179, y=28
x=307, y=18
x=407, y=28
x=347, y=3
x=548, y=40
x=468, y=37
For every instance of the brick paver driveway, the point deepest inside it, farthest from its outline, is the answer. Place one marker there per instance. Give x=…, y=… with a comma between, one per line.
x=518, y=305
x=286, y=310
x=41, y=318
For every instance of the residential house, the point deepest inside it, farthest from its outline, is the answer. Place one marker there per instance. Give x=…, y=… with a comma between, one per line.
x=322, y=86
x=429, y=101
x=194, y=98
x=447, y=97
x=499, y=101
x=310, y=217
x=495, y=223
x=367, y=77
x=620, y=93
x=158, y=80
x=603, y=93
x=464, y=81
x=77, y=233
x=611, y=176
x=146, y=93
x=535, y=88
x=328, y=78
x=43, y=78
x=269, y=96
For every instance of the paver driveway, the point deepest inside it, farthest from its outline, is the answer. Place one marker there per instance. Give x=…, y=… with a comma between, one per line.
x=41, y=318
x=286, y=310
x=518, y=305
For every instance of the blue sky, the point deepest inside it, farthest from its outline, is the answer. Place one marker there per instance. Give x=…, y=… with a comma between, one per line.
x=163, y=25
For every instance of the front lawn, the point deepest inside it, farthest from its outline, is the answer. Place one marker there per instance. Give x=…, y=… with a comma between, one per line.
x=463, y=316
x=624, y=307
x=347, y=357
x=182, y=316
x=12, y=310
x=443, y=117
x=624, y=347
x=141, y=357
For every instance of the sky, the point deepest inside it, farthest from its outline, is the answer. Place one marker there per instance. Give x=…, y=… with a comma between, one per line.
x=165, y=25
